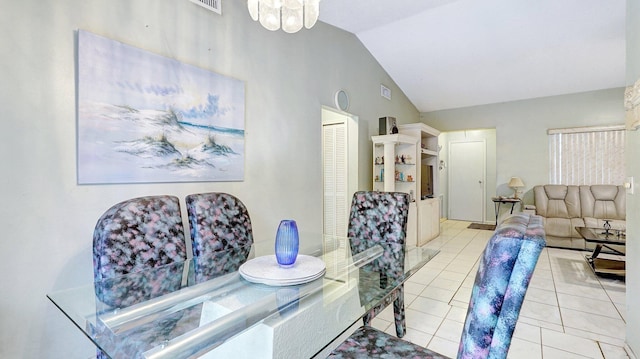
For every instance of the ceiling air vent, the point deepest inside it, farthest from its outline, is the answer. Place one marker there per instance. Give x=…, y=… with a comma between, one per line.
x=213, y=5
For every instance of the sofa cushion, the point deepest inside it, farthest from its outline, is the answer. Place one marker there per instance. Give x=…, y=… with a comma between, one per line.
x=566, y=207
x=557, y=201
x=603, y=201
x=562, y=227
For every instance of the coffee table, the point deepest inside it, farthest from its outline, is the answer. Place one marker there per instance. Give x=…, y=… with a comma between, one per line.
x=611, y=239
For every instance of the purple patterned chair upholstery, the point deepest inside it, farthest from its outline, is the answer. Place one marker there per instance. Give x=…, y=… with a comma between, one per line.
x=380, y=218
x=129, y=238
x=135, y=235
x=219, y=222
x=503, y=277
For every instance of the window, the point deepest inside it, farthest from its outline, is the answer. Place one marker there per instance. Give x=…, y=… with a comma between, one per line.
x=587, y=155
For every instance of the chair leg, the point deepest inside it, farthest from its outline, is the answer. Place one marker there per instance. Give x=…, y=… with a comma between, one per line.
x=366, y=320
x=385, y=302
x=398, y=312
x=397, y=297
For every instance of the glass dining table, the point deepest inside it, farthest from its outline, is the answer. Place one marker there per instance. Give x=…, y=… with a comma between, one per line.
x=205, y=308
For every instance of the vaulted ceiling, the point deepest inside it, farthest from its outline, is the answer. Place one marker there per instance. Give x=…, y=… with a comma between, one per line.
x=456, y=53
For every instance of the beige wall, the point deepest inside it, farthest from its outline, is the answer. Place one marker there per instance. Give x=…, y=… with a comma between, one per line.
x=48, y=220
x=521, y=130
x=632, y=153
x=522, y=145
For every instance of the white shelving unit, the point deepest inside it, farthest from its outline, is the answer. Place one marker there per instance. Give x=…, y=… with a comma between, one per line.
x=426, y=189
x=395, y=169
x=394, y=163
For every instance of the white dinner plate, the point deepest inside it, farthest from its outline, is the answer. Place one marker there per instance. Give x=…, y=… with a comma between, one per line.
x=265, y=270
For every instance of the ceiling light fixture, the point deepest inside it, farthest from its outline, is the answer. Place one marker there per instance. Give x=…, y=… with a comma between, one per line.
x=291, y=15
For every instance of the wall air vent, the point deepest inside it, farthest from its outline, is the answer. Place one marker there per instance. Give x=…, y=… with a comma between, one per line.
x=213, y=5
x=385, y=92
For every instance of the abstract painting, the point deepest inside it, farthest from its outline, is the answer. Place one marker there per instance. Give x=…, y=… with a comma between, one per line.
x=146, y=118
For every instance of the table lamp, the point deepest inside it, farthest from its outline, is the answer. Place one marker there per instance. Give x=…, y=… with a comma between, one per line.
x=515, y=183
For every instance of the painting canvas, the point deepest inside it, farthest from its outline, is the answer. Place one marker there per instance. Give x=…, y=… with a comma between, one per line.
x=147, y=118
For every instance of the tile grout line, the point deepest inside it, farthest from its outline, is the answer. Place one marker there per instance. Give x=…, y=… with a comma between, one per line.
x=457, y=240
x=458, y=287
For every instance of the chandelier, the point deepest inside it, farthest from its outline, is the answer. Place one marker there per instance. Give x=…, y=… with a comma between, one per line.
x=291, y=15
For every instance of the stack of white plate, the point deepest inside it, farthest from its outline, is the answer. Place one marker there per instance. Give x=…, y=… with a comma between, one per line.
x=266, y=270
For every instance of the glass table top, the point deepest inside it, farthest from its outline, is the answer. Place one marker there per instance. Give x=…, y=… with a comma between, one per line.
x=204, y=308
x=601, y=235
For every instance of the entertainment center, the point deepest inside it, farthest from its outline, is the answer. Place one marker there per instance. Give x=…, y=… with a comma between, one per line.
x=407, y=161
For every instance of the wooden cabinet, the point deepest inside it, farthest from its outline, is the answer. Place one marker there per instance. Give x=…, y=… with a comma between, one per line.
x=394, y=164
x=412, y=225
x=429, y=212
x=408, y=162
x=427, y=180
x=395, y=170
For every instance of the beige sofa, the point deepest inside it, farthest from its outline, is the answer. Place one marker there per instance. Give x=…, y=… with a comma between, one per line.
x=565, y=207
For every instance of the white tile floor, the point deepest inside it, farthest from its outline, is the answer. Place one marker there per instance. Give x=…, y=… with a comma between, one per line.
x=568, y=311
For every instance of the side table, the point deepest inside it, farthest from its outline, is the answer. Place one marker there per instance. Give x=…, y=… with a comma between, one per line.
x=497, y=201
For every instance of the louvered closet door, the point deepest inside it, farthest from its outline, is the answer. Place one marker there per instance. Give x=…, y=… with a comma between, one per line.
x=336, y=203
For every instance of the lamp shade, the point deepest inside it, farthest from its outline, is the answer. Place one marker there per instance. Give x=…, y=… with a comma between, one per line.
x=515, y=182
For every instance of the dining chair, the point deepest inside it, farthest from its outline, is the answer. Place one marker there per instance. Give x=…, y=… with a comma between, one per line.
x=380, y=218
x=133, y=236
x=219, y=222
x=501, y=282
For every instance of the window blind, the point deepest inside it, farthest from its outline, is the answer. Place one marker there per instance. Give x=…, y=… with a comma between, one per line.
x=587, y=155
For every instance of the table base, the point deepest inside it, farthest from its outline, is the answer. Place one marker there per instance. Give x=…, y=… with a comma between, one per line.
x=604, y=266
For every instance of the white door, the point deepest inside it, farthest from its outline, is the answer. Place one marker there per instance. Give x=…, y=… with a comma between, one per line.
x=467, y=180
x=334, y=163
x=339, y=150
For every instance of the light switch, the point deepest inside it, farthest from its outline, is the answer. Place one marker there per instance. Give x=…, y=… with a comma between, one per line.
x=628, y=184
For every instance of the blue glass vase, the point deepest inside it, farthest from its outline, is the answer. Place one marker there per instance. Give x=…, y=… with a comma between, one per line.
x=287, y=243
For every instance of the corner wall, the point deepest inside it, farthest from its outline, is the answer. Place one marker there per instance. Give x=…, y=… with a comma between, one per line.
x=48, y=220
x=521, y=130
x=632, y=153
